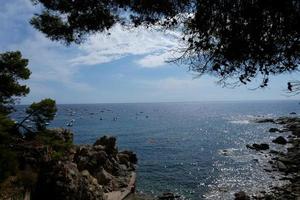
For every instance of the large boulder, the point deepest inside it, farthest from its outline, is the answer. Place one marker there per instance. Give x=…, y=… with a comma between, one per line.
x=280, y=140
x=132, y=158
x=63, y=181
x=95, y=158
x=109, y=143
x=127, y=159
x=281, y=166
x=241, y=196
x=265, y=120
x=258, y=147
x=62, y=134
x=90, y=158
x=91, y=189
x=273, y=130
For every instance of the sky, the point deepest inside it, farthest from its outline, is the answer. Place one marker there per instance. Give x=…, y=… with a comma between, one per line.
x=124, y=67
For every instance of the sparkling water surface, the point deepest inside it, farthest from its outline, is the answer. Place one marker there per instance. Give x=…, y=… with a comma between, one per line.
x=194, y=149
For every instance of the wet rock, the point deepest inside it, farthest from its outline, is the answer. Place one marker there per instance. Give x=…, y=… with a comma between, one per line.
x=280, y=140
x=241, y=196
x=281, y=166
x=258, y=147
x=266, y=120
x=277, y=152
x=268, y=170
x=293, y=113
x=273, y=130
x=168, y=196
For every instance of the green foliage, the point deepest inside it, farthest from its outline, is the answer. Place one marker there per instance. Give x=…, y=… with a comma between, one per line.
x=6, y=129
x=82, y=18
x=13, y=68
x=8, y=163
x=56, y=140
x=71, y=21
x=239, y=40
x=8, y=157
x=57, y=155
x=42, y=113
x=244, y=39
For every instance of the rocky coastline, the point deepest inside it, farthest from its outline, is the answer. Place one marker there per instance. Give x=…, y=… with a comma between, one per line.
x=102, y=172
x=286, y=162
x=91, y=172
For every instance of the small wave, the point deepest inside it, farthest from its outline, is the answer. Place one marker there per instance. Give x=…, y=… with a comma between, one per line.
x=245, y=121
x=227, y=152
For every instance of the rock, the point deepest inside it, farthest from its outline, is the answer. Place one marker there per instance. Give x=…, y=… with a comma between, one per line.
x=104, y=178
x=132, y=158
x=85, y=173
x=109, y=143
x=62, y=134
x=268, y=170
x=258, y=147
x=241, y=196
x=63, y=171
x=281, y=166
x=168, y=196
x=273, y=130
x=277, y=152
x=293, y=113
x=123, y=159
x=280, y=140
x=90, y=158
x=266, y=120
x=63, y=181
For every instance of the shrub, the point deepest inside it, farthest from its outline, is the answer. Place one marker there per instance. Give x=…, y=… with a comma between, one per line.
x=8, y=163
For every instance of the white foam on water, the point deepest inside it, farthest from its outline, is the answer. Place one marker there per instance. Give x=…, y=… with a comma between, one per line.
x=244, y=121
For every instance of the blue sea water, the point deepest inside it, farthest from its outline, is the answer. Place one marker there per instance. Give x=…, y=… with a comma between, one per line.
x=197, y=150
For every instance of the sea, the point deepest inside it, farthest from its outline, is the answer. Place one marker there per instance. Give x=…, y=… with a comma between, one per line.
x=194, y=149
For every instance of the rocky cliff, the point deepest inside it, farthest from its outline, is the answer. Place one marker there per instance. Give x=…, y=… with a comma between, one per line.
x=51, y=167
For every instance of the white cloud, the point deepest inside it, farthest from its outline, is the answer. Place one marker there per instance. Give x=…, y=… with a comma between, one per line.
x=48, y=61
x=103, y=48
x=157, y=59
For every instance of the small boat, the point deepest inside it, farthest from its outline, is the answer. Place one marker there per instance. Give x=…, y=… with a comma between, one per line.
x=70, y=124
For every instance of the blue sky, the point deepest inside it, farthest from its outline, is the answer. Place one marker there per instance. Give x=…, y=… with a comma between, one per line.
x=126, y=66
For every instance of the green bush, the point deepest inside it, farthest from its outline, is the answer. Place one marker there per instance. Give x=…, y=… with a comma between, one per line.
x=6, y=129
x=51, y=139
x=8, y=163
x=42, y=113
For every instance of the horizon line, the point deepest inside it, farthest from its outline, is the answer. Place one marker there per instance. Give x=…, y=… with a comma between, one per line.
x=199, y=101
